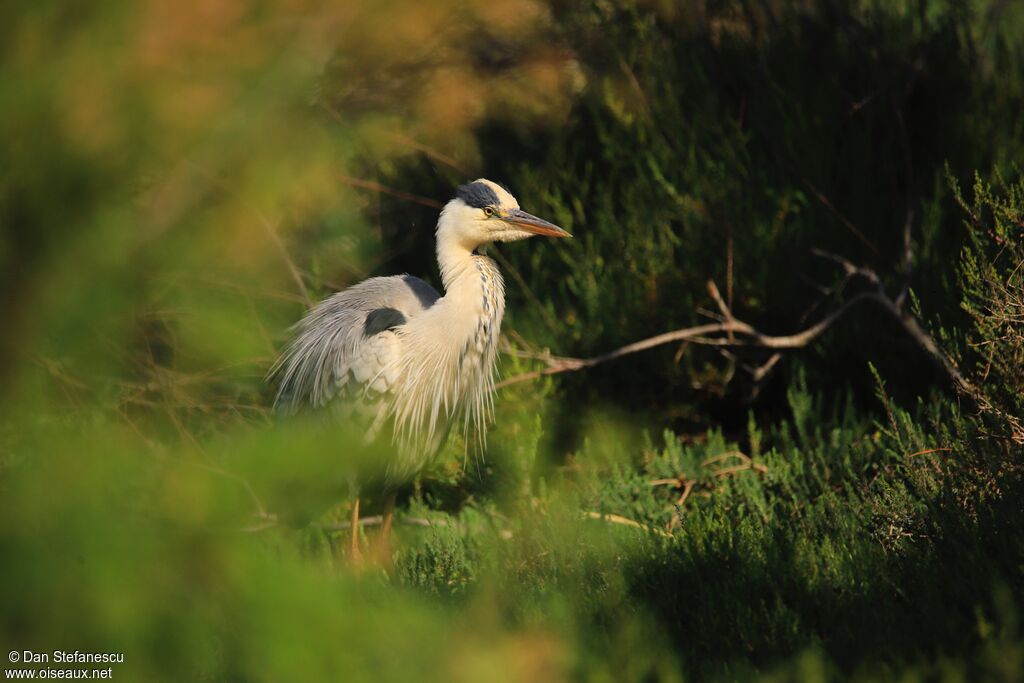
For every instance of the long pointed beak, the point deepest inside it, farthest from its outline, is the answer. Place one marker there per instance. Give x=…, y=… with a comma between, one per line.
x=530, y=223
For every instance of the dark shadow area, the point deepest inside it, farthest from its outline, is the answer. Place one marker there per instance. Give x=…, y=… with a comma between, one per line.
x=759, y=604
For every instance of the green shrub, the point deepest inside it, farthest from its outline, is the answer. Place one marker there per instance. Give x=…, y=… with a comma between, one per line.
x=992, y=280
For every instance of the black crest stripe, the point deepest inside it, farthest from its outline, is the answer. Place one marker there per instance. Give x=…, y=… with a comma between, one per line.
x=477, y=195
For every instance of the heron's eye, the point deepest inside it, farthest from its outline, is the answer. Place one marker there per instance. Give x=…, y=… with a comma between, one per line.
x=488, y=211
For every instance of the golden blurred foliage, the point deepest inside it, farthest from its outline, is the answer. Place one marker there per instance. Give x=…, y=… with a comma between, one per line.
x=167, y=151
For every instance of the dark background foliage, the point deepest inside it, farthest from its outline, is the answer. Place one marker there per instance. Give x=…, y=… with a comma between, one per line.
x=780, y=128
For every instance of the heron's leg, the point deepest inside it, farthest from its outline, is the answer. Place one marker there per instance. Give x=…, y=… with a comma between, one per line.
x=353, y=492
x=383, y=551
x=389, y=516
x=354, y=553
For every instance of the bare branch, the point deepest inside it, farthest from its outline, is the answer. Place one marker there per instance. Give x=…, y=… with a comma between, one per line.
x=377, y=520
x=271, y=228
x=907, y=255
x=848, y=267
x=618, y=519
x=907, y=258
x=687, y=489
x=538, y=305
x=743, y=457
x=700, y=334
x=760, y=372
x=842, y=219
x=429, y=151
x=930, y=450
x=384, y=189
x=270, y=521
x=747, y=336
x=722, y=305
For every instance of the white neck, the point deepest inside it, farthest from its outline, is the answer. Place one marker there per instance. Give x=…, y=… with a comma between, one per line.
x=454, y=259
x=454, y=247
x=474, y=292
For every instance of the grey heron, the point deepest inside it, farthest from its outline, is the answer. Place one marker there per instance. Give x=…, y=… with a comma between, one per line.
x=410, y=358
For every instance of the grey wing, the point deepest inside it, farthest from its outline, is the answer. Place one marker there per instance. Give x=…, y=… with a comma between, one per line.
x=347, y=342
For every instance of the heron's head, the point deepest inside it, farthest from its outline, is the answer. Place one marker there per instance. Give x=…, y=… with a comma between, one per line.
x=483, y=211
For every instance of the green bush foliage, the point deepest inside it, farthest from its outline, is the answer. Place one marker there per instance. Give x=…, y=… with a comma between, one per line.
x=992, y=277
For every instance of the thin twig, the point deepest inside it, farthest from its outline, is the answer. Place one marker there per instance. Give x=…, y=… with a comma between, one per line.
x=842, y=219
x=271, y=228
x=761, y=371
x=269, y=521
x=384, y=189
x=907, y=254
x=745, y=467
x=678, y=507
x=728, y=454
x=728, y=271
x=619, y=519
x=377, y=520
x=723, y=306
x=268, y=225
x=430, y=152
x=930, y=450
x=404, y=139
x=687, y=488
x=530, y=294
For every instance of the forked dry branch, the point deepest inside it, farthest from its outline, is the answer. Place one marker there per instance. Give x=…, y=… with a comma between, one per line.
x=732, y=333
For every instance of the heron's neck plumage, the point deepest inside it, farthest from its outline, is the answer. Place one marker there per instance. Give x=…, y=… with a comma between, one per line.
x=474, y=298
x=454, y=256
x=452, y=346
